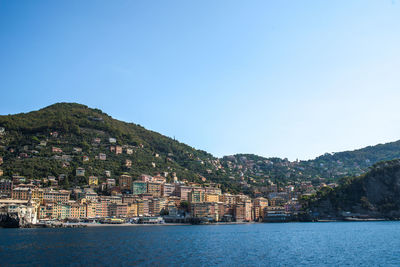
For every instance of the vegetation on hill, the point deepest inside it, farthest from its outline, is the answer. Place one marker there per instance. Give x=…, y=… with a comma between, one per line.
x=27, y=146
x=374, y=194
x=30, y=144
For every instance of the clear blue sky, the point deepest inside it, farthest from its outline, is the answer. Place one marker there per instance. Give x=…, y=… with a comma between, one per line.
x=283, y=78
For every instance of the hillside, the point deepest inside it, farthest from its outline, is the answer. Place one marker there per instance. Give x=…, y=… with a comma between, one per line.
x=60, y=138
x=325, y=168
x=374, y=194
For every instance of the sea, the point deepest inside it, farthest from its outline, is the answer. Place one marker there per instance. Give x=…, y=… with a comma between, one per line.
x=257, y=244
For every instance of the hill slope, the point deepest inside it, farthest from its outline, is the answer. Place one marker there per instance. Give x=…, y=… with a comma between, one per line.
x=62, y=137
x=374, y=194
x=326, y=168
x=30, y=143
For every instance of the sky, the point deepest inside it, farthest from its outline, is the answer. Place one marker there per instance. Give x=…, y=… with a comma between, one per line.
x=283, y=78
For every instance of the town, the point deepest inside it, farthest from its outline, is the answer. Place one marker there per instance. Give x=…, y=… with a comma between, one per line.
x=148, y=199
x=144, y=199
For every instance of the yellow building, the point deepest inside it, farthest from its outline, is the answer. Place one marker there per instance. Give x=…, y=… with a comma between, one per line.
x=212, y=198
x=93, y=180
x=91, y=209
x=37, y=195
x=154, y=188
x=132, y=210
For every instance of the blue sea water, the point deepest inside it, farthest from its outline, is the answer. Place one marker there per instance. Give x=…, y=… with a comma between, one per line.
x=280, y=244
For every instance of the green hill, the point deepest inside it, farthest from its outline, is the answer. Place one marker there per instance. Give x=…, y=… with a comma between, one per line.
x=71, y=127
x=325, y=168
x=374, y=194
x=58, y=139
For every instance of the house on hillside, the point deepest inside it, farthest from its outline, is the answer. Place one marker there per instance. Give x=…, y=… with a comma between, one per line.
x=56, y=150
x=80, y=172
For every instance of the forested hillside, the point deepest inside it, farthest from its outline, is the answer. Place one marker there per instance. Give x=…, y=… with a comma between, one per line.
x=60, y=138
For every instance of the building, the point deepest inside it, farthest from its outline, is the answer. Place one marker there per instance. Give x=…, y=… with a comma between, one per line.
x=1, y=172
x=18, y=179
x=125, y=182
x=5, y=187
x=80, y=172
x=154, y=188
x=212, y=190
x=200, y=210
x=159, y=179
x=259, y=205
x=168, y=190
x=21, y=193
x=139, y=187
x=243, y=211
x=62, y=196
x=128, y=163
x=132, y=210
x=213, y=198
x=27, y=211
x=228, y=199
x=118, y=210
x=110, y=182
x=183, y=192
x=93, y=180
x=146, y=178
x=196, y=196
x=118, y=150
x=102, y=156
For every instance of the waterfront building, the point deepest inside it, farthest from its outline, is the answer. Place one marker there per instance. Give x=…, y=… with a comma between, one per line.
x=26, y=210
x=199, y=210
x=132, y=210
x=140, y=207
x=117, y=210
x=243, y=211
x=154, y=207
x=90, y=209
x=183, y=192
x=258, y=208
